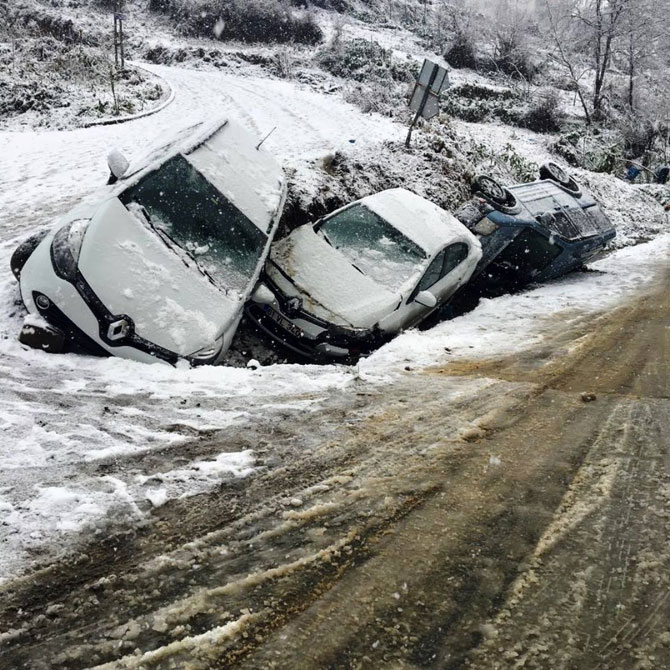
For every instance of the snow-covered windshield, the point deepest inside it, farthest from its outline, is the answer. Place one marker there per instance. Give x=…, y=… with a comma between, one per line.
x=187, y=210
x=372, y=245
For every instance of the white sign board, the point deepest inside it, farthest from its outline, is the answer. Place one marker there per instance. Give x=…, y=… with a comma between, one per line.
x=433, y=79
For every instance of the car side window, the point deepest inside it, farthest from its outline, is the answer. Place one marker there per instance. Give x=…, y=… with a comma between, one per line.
x=433, y=273
x=446, y=261
x=454, y=255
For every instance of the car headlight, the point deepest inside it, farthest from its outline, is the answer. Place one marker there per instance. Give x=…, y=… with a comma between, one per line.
x=207, y=354
x=66, y=247
x=485, y=227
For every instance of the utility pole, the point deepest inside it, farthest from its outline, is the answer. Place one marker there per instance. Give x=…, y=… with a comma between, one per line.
x=118, y=35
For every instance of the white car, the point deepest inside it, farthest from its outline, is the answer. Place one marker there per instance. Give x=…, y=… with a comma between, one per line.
x=356, y=278
x=159, y=264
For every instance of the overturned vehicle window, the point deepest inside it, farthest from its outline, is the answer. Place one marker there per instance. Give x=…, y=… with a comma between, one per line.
x=523, y=259
x=372, y=245
x=182, y=206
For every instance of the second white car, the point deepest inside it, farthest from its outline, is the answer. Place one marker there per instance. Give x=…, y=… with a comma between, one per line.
x=358, y=277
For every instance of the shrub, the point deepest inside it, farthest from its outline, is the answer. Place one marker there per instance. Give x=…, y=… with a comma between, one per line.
x=566, y=149
x=462, y=52
x=475, y=103
x=511, y=55
x=246, y=20
x=110, y=4
x=638, y=135
x=363, y=60
x=161, y=5
x=336, y=5
x=545, y=116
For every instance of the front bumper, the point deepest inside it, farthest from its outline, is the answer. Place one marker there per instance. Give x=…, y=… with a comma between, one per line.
x=306, y=335
x=276, y=325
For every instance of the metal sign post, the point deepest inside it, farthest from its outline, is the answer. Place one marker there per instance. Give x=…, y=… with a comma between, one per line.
x=118, y=34
x=425, y=100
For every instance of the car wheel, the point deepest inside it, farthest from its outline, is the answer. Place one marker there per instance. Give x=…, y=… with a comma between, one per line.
x=43, y=337
x=23, y=252
x=495, y=193
x=556, y=173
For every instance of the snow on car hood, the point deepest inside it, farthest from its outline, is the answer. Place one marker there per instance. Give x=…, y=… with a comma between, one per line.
x=133, y=272
x=250, y=178
x=418, y=219
x=339, y=293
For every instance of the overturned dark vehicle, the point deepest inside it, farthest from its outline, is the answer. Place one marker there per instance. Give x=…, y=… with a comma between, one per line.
x=533, y=232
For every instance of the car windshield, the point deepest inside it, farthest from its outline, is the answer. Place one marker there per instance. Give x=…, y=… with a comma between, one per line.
x=373, y=245
x=188, y=212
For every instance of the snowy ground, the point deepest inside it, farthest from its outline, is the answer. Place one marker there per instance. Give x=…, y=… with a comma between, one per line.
x=77, y=430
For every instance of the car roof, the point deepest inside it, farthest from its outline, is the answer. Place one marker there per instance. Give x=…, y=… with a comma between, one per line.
x=248, y=176
x=420, y=220
x=225, y=153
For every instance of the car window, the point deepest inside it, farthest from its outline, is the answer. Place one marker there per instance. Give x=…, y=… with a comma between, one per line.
x=454, y=255
x=184, y=207
x=446, y=261
x=528, y=254
x=433, y=273
x=372, y=245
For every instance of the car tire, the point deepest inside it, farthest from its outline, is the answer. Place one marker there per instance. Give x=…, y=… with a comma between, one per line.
x=495, y=194
x=557, y=174
x=24, y=251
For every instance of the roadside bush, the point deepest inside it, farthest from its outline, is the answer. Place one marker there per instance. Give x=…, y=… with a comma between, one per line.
x=566, y=150
x=335, y=5
x=50, y=83
x=363, y=60
x=545, y=116
x=43, y=23
x=374, y=97
x=591, y=149
x=246, y=20
x=462, y=52
x=476, y=103
x=161, y=5
x=511, y=56
x=110, y=4
x=503, y=163
x=638, y=135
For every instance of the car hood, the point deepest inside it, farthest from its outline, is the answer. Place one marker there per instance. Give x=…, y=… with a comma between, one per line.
x=133, y=272
x=333, y=289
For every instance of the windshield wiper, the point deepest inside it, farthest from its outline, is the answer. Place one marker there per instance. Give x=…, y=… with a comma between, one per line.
x=325, y=237
x=173, y=246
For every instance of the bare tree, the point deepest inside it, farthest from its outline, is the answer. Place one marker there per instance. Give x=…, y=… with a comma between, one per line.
x=643, y=30
x=560, y=27
x=592, y=30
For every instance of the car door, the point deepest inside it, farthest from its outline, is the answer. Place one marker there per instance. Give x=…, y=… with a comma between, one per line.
x=441, y=278
x=451, y=273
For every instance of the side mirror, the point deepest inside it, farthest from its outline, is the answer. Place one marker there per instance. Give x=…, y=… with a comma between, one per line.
x=426, y=298
x=118, y=164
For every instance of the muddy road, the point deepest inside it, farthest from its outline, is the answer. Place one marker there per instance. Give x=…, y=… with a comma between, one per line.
x=485, y=514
